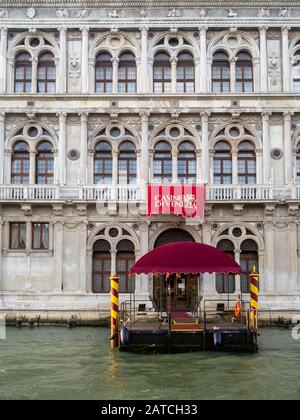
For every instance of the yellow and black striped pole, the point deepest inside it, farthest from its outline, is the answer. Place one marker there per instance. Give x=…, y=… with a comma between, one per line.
x=114, y=311
x=254, y=292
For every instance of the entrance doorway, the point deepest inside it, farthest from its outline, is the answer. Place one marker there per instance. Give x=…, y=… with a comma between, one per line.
x=182, y=289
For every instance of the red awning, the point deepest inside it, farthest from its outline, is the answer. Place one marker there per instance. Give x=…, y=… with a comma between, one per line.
x=185, y=257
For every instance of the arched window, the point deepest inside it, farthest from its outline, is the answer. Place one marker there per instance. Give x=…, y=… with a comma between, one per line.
x=46, y=73
x=127, y=73
x=125, y=260
x=162, y=162
x=220, y=73
x=246, y=163
x=225, y=283
x=185, y=73
x=244, y=73
x=20, y=163
x=23, y=73
x=248, y=260
x=101, y=267
x=187, y=166
x=104, y=73
x=44, y=164
x=162, y=78
x=222, y=164
x=298, y=164
x=103, y=163
x=127, y=163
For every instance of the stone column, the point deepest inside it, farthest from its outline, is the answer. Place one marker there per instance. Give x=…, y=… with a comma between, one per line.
x=28, y=236
x=199, y=164
x=32, y=156
x=288, y=149
x=144, y=172
x=3, y=51
x=205, y=148
x=208, y=280
x=113, y=253
x=58, y=257
x=34, y=87
x=7, y=166
x=266, y=147
x=293, y=256
x=142, y=281
x=2, y=146
x=89, y=270
x=174, y=166
x=62, y=148
x=235, y=177
x=144, y=60
x=62, y=82
x=83, y=287
x=259, y=167
x=85, y=60
x=232, y=62
x=286, y=76
x=115, y=62
x=269, y=257
x=174, y=75
x=203, y=59
x=238, y=277
x=263, y=58
x=83, y=148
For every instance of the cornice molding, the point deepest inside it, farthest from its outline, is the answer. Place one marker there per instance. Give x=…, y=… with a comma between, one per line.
x=148, y=3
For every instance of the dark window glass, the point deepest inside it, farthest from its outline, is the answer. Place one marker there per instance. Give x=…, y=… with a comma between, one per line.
x=127, y=163
x=104, y=73
x=20, y=164
x=162, y=162
x=125, y=260
x=220, y=73
x=222, y=164
x=162, y=79
x=185, y=73
x=23, y=73
x=40, y=236
x=17, y=235
x=246, y=164
x=244, y=73
x=101, y=267
x=127, y=73
x=249, y=259
x=103, y=163
x=298, y=164
x=225, y=283
x=46, y=73
x=44, y=164
x=187, y=166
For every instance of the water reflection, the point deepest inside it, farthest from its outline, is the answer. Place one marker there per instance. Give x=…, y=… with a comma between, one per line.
x=55, y=363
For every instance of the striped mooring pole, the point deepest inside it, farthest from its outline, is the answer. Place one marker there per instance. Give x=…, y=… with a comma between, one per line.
x=254, y=292
x=114, y=281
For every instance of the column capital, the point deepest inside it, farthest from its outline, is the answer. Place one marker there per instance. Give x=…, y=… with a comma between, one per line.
x=83, y=116
x=203, y=29
x=144, y=29
x=263, y=29
x=84, y=30
x=62, y=30
x=205, y=116
x=266, y=115
x=285, y=29
x=2, y=116
x=62, y=116
x=145, y=116
x=3, y=29
x=288, y=115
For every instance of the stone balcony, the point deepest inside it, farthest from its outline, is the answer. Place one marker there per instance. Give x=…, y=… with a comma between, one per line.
x=137, y=194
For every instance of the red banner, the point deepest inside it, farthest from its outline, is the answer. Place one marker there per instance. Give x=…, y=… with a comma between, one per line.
x=182, y=200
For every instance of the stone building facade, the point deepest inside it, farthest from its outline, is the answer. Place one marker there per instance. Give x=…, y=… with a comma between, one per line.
x=99, y=98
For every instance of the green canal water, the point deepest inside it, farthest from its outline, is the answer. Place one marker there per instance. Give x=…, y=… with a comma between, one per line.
x=61, y=363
